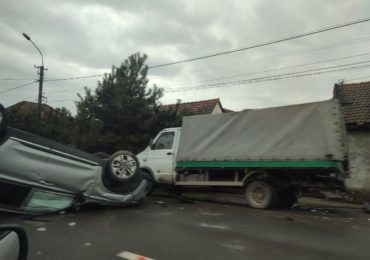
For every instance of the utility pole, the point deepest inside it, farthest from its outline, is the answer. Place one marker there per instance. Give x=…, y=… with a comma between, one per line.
x=41, y=80
x=39, y=101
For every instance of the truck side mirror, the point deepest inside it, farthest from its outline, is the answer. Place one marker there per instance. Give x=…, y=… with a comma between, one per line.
x=151, y=143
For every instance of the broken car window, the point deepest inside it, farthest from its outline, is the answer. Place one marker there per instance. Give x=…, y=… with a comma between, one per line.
x=43, y=201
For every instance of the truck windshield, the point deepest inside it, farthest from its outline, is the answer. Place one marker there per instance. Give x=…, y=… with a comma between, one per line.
x=164, y=141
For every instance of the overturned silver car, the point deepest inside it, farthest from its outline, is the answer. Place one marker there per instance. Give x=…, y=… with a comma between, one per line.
x=39, y=175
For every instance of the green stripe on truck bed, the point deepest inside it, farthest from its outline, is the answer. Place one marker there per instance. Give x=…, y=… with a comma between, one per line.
x=262, y=164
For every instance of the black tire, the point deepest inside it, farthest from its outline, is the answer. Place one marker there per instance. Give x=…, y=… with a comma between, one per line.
x=123, y=188
x=150, y=178
x=102, y=155
x=3, y=120
x=261, y=195
x=287, y=198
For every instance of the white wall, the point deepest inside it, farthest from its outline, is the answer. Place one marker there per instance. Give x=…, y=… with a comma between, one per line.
x=359, y=163
x=217, y=109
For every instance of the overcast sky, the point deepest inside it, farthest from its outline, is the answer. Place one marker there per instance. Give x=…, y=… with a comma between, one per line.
x=82, y=38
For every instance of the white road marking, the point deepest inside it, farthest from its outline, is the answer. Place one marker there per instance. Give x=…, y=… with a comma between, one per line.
x=131, y=256
x=87, y=244
x=234, y=247
x=223, y=227
x=71, y=224
x=211, y=214
x=41, y=229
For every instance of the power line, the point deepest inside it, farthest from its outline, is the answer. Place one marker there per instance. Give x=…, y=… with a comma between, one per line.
x=17, y=87
x=358, y=78
x=280, y=55
x=265, y=43
x=279, y=76
x=280, y=68
x=285, y=74
x=62, y=100
x=74, y=78
x=12, y=79
x=333, y=45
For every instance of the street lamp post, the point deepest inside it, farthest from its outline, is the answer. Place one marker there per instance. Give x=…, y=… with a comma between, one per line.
x=41, y=79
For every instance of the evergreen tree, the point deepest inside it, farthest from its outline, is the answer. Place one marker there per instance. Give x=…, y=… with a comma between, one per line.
x=122, y=112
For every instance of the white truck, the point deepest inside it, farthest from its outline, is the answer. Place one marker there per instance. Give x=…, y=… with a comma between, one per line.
x=271, y=154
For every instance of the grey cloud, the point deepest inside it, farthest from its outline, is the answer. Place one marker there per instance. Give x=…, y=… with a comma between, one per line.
x=88, y=37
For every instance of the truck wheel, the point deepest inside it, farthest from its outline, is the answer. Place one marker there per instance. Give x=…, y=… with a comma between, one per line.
x=261, y=195
x=3, y=120
x=287, y=198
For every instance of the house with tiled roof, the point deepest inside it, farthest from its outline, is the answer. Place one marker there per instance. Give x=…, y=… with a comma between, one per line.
x=355, y=102
x=354, y=99
x=210, y=106
x=26, y=107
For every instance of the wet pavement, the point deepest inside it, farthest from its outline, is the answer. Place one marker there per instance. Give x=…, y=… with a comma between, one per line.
x=163, y=228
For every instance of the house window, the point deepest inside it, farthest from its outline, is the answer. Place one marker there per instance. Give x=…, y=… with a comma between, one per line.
x=164, y=141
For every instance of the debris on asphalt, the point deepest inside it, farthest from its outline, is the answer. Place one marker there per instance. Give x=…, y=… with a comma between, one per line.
x=34, y=223
x=300, y=207
x=323, y=211
x=182, y=208
x=62, y=212
x=71, y=224
x=41, y=229
x=87, y=244
x=161, y=202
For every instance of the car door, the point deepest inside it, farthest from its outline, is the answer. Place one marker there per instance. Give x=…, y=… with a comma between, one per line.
x=161, y=156
x=23, y=157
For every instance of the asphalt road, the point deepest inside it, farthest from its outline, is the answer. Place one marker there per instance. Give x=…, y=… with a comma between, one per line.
x=163, y=228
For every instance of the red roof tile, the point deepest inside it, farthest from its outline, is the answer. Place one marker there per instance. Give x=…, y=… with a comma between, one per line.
x=198, y=107
x=355, y=101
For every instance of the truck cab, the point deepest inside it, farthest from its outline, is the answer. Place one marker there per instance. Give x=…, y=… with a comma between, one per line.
x=159, y=158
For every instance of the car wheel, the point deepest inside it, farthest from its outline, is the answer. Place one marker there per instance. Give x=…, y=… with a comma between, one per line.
x=261, y=195
x=3, y=120
x=123, y=166
x=287, y=198
x=123, y=173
